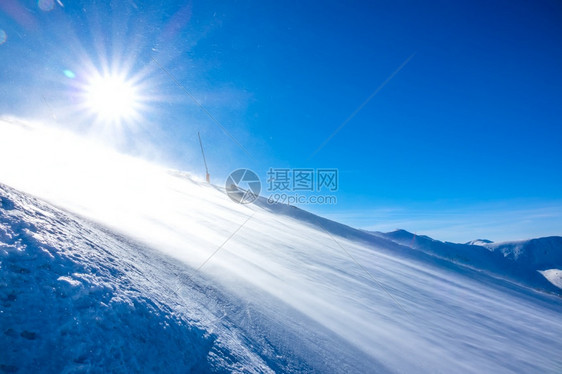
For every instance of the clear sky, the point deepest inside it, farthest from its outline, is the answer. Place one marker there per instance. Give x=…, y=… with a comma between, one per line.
x=462, y=138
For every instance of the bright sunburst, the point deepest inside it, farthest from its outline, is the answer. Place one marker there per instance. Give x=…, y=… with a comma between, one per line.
x=112, y=98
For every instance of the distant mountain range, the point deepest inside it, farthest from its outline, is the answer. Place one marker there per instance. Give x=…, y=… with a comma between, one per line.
x=534, y=262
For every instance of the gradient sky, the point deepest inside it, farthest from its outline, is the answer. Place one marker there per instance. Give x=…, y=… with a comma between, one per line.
x=464, y=141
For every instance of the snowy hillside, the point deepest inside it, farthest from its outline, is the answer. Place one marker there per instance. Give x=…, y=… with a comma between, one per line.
x=538, y=253
x=523, y=261
x=542, y=254
x=119, y=265
x=76, y=297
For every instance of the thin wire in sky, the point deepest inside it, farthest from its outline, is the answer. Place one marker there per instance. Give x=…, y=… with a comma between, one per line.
x=344, y=123
x=189, y=276
x=224, y=243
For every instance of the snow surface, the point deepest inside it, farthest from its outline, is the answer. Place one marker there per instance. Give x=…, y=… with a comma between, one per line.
x=541, y=252
x=76, y=298
x=520, y=261
x=554, y=276
x=116, y=278
x=481, y=242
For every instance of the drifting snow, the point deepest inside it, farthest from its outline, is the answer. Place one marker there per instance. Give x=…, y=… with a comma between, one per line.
x=289, y=292
x=75, y=298
x=520, y=262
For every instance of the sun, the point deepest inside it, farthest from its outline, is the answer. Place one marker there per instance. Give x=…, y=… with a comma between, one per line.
x=112, y=98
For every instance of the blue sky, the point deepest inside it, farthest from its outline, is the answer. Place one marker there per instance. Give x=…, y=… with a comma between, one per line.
x=462, y=142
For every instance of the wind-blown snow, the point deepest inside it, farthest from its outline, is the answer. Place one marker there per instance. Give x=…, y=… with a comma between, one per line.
x=519, y=261
x=289, y=292
x=75, y=298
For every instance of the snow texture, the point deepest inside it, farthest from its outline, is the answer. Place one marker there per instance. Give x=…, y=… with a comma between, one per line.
x=521, y=262
x=117, y=265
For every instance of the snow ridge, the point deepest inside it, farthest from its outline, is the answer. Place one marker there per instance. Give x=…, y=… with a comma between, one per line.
x=521, y=262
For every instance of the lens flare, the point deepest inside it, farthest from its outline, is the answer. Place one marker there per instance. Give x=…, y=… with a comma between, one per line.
x=69, y=74
x=46, y=5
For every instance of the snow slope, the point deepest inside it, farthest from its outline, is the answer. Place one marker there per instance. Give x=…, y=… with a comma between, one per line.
x=75, y=298
x=521, y=262
x=542, y=254
x=137, y=267
x=537, y=253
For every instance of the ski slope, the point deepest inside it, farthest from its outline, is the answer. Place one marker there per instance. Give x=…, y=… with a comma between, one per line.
x=125, y=266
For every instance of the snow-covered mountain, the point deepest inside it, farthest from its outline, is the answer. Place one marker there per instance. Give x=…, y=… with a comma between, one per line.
x=542, y=254
x=537, y=253
x=77, y=296
x=524, y=261
x=482, y=242
x=111, y=264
